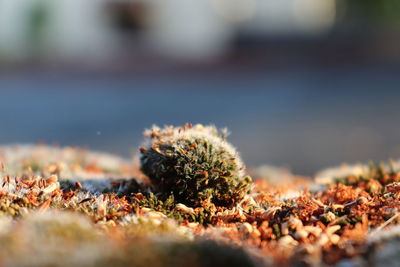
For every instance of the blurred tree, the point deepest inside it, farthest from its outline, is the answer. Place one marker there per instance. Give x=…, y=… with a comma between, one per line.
x=372, y=11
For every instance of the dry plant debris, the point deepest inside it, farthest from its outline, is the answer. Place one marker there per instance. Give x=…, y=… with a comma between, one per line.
x=70, y=206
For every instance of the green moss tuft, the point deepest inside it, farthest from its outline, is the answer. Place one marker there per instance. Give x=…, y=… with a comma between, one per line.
x=195, y=164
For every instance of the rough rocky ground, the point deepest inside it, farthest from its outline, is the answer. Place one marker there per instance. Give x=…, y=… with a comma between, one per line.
x=69, y=206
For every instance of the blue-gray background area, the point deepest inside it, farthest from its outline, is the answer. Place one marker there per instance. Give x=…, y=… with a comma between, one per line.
x=302, y=119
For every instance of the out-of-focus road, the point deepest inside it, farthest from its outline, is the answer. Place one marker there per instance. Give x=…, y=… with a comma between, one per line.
x=306, y=119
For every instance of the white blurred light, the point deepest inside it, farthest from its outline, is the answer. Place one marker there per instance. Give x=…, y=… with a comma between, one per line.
x=234, y=10
x=271, y=17
x=187, y=29
x=78, y=28
x=14, y=27
x=62, y=28
x=314, y=15
x=289, y=17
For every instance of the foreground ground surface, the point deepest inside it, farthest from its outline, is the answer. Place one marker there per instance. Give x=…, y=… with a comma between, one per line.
x=69, y=206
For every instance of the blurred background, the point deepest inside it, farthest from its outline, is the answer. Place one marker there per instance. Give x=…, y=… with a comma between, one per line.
x=305, y=84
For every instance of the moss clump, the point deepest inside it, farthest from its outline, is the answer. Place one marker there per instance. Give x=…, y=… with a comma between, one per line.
x=383, y=173
x=195, y=164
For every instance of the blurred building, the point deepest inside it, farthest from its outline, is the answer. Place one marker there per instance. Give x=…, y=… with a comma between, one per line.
x=191, y=30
